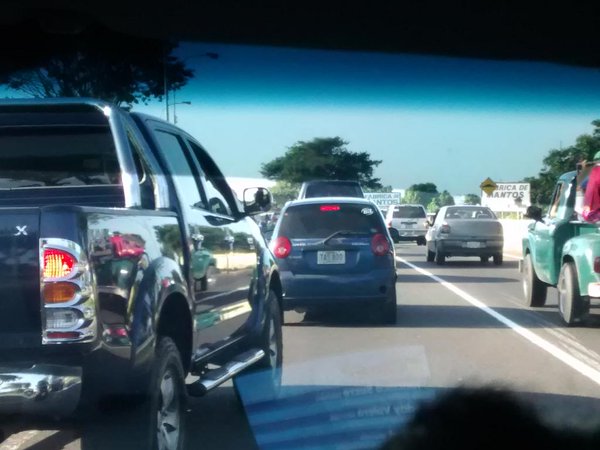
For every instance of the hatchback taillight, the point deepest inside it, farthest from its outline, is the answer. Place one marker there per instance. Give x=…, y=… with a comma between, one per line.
x=380, y=245
x=281, y=247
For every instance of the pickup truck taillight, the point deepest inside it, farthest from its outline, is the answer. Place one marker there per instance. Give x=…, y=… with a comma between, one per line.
x=68, y=305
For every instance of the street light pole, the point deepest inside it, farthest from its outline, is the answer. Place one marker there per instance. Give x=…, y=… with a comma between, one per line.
x=166, y=85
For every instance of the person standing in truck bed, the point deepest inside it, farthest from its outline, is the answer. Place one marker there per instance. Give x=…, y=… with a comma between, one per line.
x=591, y=202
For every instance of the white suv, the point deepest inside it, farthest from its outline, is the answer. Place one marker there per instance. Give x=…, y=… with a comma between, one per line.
x=409, y=220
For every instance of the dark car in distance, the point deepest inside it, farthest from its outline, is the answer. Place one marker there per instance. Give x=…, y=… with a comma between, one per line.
x=330, y=188
x=334, y=252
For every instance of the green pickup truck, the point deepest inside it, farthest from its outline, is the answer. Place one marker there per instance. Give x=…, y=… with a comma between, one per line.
x=562, y=251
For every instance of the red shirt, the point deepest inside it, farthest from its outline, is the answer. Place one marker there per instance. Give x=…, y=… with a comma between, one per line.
x=591, y=201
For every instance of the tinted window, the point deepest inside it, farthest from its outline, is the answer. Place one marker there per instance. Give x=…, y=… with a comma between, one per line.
x=217, y=201
x=321, y=220
x=469, y=213
x=409, y=212
x=333, y=190
x=58, y=156
x=176, y=160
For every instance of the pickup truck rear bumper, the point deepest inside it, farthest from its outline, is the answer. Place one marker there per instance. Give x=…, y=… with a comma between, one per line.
x=42, y=389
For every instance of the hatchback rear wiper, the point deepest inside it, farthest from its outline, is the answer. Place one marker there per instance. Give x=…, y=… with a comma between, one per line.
x=341, y=232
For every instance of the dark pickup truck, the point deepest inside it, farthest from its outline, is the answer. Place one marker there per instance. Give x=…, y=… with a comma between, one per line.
x=126, y=264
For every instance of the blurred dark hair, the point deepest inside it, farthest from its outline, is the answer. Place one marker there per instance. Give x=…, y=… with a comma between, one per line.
x=483, y=419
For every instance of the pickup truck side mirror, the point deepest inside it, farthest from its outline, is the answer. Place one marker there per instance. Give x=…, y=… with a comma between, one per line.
x=256, y=200
x=534, y=213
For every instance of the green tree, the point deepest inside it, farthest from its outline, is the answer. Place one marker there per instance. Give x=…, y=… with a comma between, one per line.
x=118, y=68
x=284, y=191
x=559, y=161
x=472, y=199
x=323, y=158
x=442, y=199
x=420, y=194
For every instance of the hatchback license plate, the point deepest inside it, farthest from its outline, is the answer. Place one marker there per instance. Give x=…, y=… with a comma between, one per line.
x=331, y=257
x=473, y=244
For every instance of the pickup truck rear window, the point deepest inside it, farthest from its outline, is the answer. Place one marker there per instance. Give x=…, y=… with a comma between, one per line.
x=50, y=156
x=321, y=220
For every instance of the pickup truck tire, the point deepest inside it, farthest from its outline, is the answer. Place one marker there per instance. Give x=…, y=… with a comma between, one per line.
x=533, y=288
x=162, y=416
x=144, y=423
x=498, y=259
x=570, y=303
x=264, y=377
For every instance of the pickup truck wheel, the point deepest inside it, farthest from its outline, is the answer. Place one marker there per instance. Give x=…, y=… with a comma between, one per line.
x=163, y=415
x=498, y=259
x=533, y=288
x=156, y=421
x=570, y=303
x=262, y=381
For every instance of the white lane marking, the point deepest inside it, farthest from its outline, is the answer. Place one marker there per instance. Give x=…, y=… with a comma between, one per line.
x=510, y=255
x=552, y=349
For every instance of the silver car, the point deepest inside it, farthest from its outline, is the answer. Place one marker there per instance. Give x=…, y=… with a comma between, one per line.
x=465, y=231
x=409, y=220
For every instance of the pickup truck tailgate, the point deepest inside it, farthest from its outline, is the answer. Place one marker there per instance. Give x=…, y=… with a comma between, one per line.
x=20, y=317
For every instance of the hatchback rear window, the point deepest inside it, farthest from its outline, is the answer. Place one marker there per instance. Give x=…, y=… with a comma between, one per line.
x=409, y=212
x=469, y=213
x=321, y=220
x=333, y=190
x=57, y=156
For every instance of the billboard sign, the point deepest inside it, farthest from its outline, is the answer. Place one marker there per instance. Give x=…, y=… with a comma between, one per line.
x=507, y=197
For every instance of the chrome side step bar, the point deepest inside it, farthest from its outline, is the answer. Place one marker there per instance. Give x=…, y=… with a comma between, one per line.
x=215, y=377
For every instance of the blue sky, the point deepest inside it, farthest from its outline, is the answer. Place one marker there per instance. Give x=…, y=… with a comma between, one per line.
x=447, y=120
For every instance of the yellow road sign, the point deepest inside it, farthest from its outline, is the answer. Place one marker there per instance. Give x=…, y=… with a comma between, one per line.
x=488, y=186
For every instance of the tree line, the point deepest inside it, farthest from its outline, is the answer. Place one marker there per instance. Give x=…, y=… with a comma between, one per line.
x=329, y=158
x=560, y=160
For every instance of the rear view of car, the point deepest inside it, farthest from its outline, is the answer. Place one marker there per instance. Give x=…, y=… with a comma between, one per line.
x=410, y=221
x=334, y=253
x=330, y=188
x=465, y=231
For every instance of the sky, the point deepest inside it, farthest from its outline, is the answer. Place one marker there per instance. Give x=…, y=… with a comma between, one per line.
x=445, y=120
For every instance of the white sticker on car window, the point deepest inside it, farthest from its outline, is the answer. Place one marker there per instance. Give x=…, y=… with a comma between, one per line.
x=367, y=211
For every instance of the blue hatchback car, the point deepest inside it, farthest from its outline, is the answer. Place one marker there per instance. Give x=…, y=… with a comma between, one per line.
x=336, y=251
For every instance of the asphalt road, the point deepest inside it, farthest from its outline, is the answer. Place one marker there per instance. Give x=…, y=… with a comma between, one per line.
x=458, y=324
